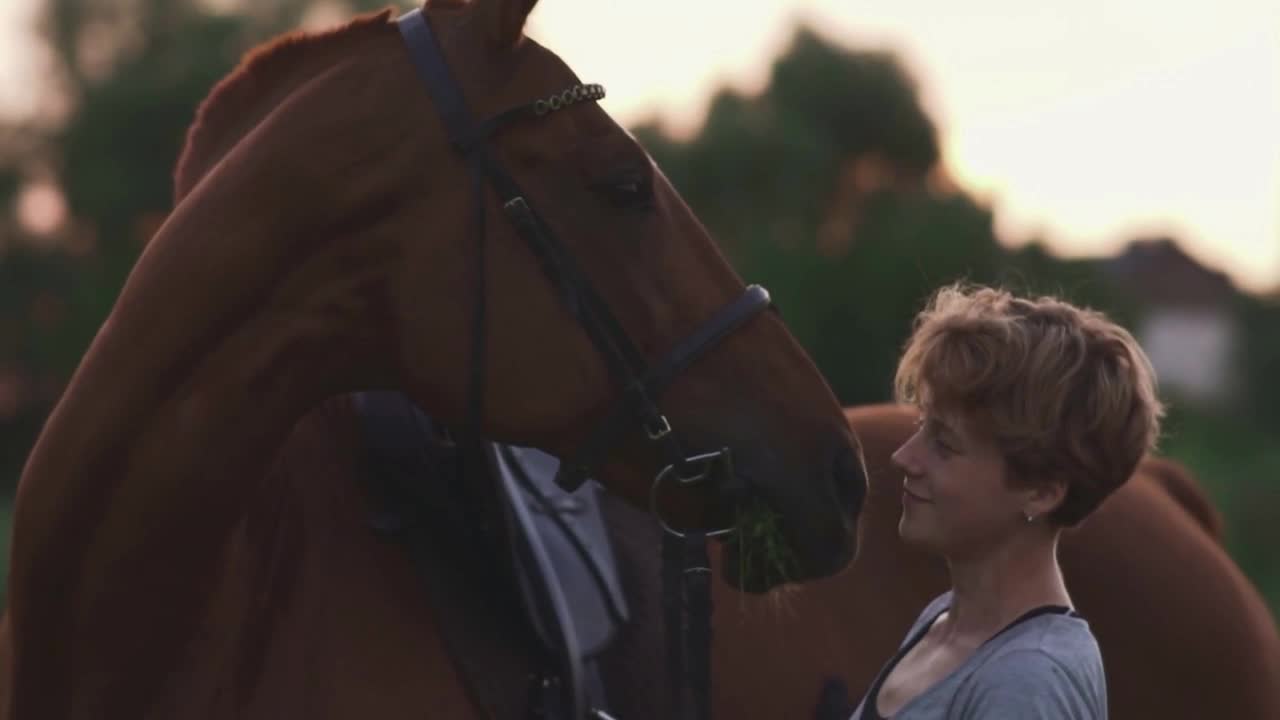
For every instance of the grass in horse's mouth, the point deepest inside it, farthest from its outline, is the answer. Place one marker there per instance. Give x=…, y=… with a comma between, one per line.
x=765, y=559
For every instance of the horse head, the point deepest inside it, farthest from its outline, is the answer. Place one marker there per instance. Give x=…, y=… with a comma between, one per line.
x=404, y=186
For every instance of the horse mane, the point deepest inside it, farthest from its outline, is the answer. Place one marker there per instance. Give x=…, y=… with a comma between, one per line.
x=260, y=69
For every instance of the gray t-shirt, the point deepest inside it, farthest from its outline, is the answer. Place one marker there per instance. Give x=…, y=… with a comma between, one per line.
x=1044, y=666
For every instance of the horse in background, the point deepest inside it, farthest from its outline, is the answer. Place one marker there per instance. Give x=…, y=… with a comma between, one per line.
x=326, y=239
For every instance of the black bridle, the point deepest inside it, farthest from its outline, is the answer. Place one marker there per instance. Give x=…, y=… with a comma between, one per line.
x=641, y=383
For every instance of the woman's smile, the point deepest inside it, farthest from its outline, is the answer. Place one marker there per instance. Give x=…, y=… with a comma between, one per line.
x=908, y=496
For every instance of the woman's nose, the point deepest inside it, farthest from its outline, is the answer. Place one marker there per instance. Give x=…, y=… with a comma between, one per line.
x=897, y=458
x=903, y=458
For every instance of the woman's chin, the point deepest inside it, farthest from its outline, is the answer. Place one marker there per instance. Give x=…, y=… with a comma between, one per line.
x=913, y=535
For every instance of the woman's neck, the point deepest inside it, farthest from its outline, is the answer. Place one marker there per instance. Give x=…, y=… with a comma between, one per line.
x=993, y=588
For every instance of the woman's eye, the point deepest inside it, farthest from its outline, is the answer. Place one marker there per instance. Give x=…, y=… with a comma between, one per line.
x=943, y=447
x=935, y=437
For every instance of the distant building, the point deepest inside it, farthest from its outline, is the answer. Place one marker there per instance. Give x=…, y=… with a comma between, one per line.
x=1187, y=325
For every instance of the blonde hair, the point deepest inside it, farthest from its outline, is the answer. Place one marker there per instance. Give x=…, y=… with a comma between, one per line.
x=1063, y=391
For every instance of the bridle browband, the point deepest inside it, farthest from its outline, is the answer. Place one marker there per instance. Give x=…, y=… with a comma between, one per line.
x=687, y=568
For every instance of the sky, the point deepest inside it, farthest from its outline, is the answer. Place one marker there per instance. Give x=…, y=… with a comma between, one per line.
x=1083, y=122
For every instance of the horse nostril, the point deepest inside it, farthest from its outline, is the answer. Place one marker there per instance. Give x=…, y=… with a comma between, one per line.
x=849, y=479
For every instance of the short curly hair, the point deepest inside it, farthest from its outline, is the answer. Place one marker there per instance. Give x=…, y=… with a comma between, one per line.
x=1064, y=392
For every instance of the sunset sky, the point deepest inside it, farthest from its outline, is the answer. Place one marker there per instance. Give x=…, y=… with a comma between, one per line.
x=1087, y=122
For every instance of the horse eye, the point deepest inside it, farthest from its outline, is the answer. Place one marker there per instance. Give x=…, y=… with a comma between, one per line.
x=628, y=191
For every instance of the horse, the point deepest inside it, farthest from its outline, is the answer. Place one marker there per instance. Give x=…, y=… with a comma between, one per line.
x=338, y=227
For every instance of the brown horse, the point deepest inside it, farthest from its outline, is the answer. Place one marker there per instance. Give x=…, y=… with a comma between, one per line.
x=322, y=243
x=1183, y=632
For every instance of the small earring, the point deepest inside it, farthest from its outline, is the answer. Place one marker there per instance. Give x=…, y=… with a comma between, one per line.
x=1030, y=518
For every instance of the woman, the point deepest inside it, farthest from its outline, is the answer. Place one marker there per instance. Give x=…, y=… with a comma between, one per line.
x=1033, y=411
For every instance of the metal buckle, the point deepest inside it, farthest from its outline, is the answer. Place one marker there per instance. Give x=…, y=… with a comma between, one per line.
x=706, y=464
x=663, y=429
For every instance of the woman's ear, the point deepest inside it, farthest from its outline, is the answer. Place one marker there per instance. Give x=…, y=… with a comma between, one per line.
x=503, y=20
x=1045, y=497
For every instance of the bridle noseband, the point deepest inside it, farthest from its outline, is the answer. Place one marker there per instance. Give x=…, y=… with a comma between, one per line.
x=640, y=383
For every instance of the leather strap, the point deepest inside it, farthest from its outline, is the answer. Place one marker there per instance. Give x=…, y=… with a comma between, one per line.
x=482, y=625
x=686, y=580
x=609, y=432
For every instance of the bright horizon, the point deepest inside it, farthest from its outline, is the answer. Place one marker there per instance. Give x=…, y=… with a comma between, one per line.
x=1169, y=123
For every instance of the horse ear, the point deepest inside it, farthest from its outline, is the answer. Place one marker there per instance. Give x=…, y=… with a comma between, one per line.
x=503, y=20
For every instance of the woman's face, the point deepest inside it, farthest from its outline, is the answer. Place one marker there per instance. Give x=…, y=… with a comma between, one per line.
x=956, y=501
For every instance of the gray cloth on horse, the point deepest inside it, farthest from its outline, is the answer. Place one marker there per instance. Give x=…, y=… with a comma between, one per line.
x=593, y=625
x=1047, y=667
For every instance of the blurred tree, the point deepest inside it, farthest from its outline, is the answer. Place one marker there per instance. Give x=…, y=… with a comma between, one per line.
x=786, y=150
x=1260, y=356
x=128, y=76
x=825, y=187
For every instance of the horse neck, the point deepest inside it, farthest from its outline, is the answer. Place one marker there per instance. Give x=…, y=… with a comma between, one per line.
x=264, y=78
x=234, y=323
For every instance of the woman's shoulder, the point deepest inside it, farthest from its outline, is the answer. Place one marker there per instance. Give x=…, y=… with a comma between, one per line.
x=1052, y=659
x=1048, y=666
x=1065, y=637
